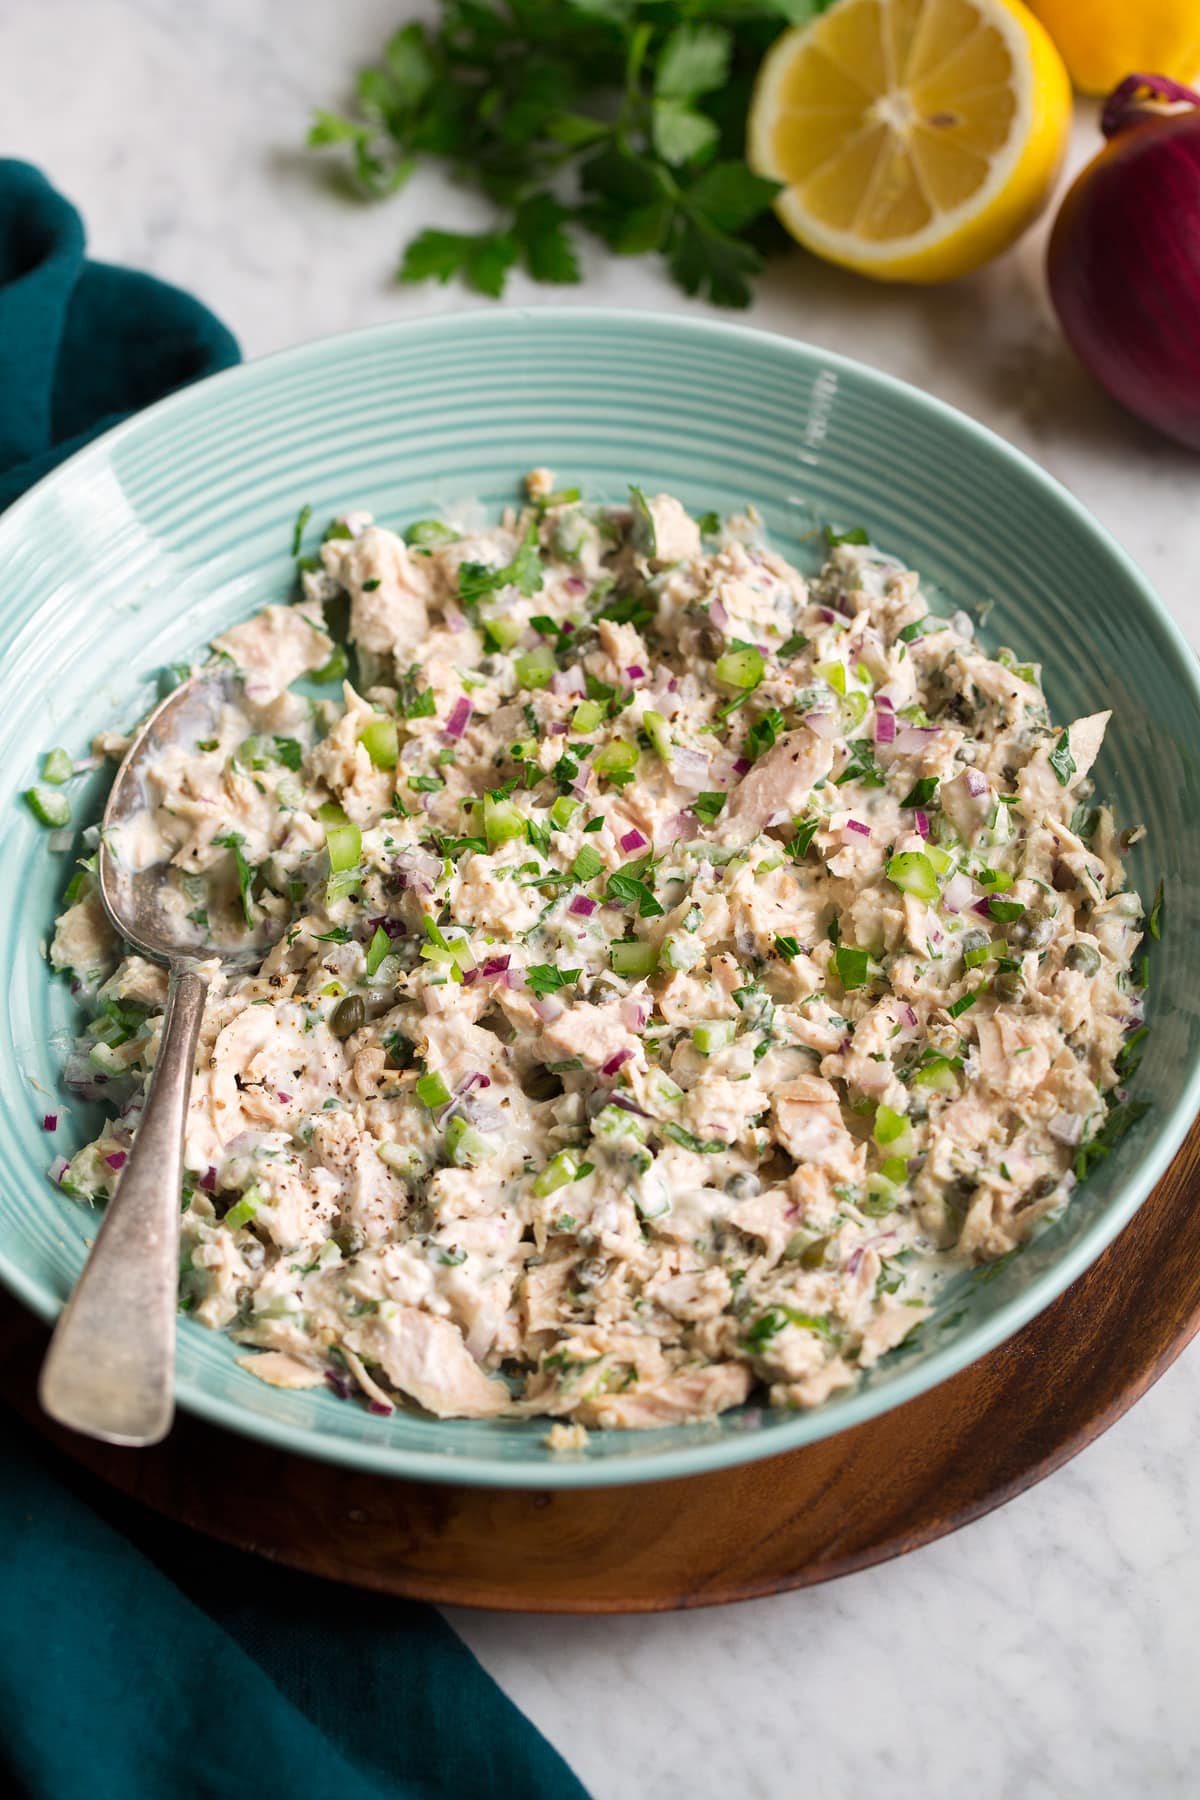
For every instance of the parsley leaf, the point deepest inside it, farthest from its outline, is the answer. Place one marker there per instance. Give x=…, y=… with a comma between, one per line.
x=707, y=807
x=233, y=842
x=544, y=978
x=1061, y=760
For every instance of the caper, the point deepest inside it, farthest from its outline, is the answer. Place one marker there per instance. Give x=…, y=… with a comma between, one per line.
x=973, y=940
x=1010, y=984
x=592, y=1271
x=349, y=1016
x=1083, y=959
x=712, y=644
x=1033, y=929
x=813, y=1255
x=743, y=1187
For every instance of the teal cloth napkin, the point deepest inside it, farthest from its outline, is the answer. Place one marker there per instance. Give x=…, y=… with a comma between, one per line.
x=138, y=1661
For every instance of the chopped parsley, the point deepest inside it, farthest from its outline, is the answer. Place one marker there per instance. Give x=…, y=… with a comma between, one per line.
x=1061, y=760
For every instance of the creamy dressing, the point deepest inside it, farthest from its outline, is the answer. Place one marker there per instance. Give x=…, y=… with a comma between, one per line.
x=681, y=968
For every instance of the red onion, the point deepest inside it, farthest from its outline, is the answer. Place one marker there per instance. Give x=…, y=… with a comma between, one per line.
x=957, y=893
x=117, y=1160
x=742, y=765
x=208, y=1181
x=885, y=725
x=548, y=1009
x=394, y=928
x=339, y=1384
x=975, y=783
x=636, y=672
x=49, y=1121
x=913, y=738
x=1124, y=256
x=283, y=1099
x=582, y=906
x=615, y=1061
x=690, y=768
x=453, y=619
x=495, y=965
x=1066, y=1128
x=567, y=681
x=823, y=724
x=634, y=1013
x=857, y=825
x=558, y=728
x=634, y=840
x=921, y=823
x=58, y=1168
x=460, y=717
x=574, y=584
x=718, y=615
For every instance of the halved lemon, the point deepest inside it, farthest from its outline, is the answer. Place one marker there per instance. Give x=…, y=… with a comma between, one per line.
x=917, y=138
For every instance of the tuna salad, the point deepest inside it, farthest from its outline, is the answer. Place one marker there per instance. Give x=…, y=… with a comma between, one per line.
x=673, y=967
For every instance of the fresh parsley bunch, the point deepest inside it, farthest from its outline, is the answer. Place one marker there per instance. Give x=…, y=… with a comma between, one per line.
x=623, y=117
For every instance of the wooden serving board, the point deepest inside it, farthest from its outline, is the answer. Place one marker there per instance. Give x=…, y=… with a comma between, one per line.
x=883, y=1488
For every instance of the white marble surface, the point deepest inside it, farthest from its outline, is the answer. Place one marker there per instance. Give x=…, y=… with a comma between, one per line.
x=1049, y=1651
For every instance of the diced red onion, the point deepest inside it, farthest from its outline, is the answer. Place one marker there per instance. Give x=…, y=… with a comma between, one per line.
x=58, y=1168
x=339, y=1384
x=117, y=1160
x=982, y=907
x=580, y=783
x=582, y=906
x=690, y=769
x=475, y=1079
x=493, y=966
x=548, y=1009
x=557, y=728
x=49, y=1121
x=380, y=1408
x=453, y=619
x=857, y=825
x=567, y=681
x=460, y=717
x=634, y=1013
x=742, y=765
x=574, y=584
x=920, y=823
x=58, y=841
x=957, y=893
x=395, y=928
x=718, y=615
x=673, y=685
x=283, y=1099
x=634, y=840
x=912, y=739
x=616, y=1061
x=208, y=1181
x=975, y=782
x=1066, y=1128
x=885, y=726
x=636, y=672
x=827, y=614
x=824, y=724
x=856, y=1257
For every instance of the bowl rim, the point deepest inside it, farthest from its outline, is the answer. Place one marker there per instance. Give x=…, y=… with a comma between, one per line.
x=396, y=1460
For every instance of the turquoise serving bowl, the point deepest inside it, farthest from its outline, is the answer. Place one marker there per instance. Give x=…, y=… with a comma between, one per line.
x=142, y=546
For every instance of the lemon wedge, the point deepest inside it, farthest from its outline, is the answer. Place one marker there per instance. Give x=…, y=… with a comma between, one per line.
x=916, y=138
x=1102, y=41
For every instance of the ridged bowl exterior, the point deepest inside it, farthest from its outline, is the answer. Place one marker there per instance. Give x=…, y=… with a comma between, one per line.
x=135, y=552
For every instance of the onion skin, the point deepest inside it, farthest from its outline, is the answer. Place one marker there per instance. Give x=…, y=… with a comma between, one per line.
x=1124, y=260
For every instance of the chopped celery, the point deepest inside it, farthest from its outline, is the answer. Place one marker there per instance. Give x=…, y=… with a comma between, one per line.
x=428, y=534
x=432, y=1090
x=913, y=873
x=936, y=1074
x=502, y=632
x=632, y=958
x=616, y=758
x=51, y=808
x=893, y=1131
x=381, y=741
x=656, y=730
x=713, y=1036
x=57, y=767
x=563, y=811
x=534, y=668
x=614, y=1122
x=502, y=821
x=941, y=863
x=243, y=1210
x=587, y=717
x=740, y=669
x=834, y=673
x=343, y=839
x=465, y=1146
x=560, y=1170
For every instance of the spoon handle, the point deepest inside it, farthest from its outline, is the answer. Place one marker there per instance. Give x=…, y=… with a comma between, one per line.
x=110, y=1368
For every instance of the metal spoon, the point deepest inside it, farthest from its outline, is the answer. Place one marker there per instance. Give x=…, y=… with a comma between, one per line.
x=109, y=1371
